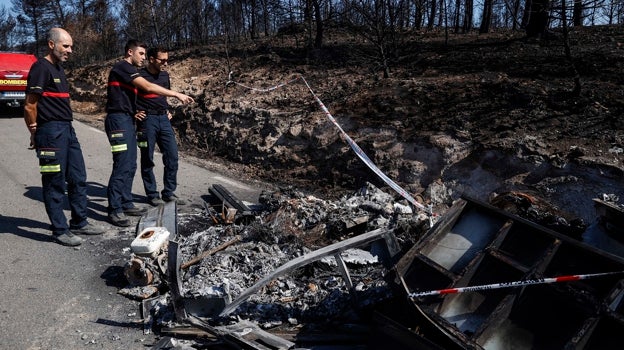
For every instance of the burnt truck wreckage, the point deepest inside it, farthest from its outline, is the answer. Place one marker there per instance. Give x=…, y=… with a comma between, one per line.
x=366, y=272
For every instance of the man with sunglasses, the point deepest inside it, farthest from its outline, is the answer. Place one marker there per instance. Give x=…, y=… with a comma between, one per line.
x=154, y=128
x=124, y=81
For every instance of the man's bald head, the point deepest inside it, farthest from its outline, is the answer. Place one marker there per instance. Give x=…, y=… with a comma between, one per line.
x=60, y=44
x=55, y=34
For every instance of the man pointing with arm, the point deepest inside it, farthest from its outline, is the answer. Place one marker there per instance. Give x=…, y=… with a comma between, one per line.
x=154, y=128
x=123, y=81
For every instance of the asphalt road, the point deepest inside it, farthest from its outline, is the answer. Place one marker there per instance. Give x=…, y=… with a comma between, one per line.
x=57, y=297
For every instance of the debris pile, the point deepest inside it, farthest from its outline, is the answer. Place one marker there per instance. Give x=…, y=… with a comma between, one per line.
x=296, y=267
x=299, y=264
x=534, y=208
x=291, y=225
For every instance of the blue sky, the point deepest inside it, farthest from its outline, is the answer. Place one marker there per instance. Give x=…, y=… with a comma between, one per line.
x=5, y=3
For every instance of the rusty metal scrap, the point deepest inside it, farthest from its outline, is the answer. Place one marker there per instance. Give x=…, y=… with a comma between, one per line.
x=232, y=208
x=138, y=273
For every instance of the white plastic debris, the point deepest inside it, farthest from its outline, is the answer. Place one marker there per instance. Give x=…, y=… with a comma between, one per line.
x=149, y=241
x=402, y=209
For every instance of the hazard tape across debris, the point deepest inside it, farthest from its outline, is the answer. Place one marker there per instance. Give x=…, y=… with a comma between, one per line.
x=520, y=283
x=360, y=153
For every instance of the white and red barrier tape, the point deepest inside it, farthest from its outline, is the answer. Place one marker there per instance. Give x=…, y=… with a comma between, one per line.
x=512, y=284
x=358, y=151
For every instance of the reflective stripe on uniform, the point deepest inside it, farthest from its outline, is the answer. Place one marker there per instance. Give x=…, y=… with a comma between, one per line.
x=122, y=85
x=144, y=95
x=119, y=148
x=56, y=168
x=55, y=94
x=142, y=144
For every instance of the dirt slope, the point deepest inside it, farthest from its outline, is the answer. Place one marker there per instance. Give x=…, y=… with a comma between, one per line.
x=478, y=115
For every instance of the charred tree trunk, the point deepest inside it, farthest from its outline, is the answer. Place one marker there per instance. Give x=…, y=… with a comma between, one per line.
x=307, y=18
x=155, y=24
x=419, y=15
x=432, y=13
x=486, y=19
x=253, y=20
x=457, y=17
x=318, y=39
x=516, y=10
x=577, y=13
x=442, y=20
x=526, y=14
x=538, y=18
x=568, y=52
x=265, y=17
x=468, y=16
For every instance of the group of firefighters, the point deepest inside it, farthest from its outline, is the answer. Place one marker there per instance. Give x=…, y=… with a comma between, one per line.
x=137, y=116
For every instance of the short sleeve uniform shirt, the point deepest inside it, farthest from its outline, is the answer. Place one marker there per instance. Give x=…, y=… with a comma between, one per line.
x=120, y=92
x=49, y=82
x=153, y=102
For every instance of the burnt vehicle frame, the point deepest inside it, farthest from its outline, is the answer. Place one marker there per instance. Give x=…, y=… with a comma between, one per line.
x=478, y=244
x=472, y=244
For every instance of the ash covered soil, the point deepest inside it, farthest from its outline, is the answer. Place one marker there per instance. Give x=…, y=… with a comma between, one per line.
x=475, y=115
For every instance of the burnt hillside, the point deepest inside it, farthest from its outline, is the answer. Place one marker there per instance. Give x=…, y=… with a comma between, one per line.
x=476, y=114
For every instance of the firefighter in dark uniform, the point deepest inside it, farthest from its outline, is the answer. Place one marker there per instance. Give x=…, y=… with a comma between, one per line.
x=154, y=127
x=123, y=81
x=48, y=116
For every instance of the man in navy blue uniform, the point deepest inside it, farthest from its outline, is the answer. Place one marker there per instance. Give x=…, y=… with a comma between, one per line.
x=123, y=81
x=154, y=127
x=48, y=116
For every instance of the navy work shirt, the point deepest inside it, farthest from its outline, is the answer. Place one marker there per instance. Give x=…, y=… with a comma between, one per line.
x=49, y=82
x=120, y=91
x=153, y=102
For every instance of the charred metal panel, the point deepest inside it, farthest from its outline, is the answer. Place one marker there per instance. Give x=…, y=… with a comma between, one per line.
x=478, y=244
x=229, y=200
x=164, y=215
x=611, y=216
x=250, y=336
x=175, y=284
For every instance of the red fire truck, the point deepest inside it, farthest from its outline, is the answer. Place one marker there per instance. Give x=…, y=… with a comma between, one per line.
x=14, y=67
